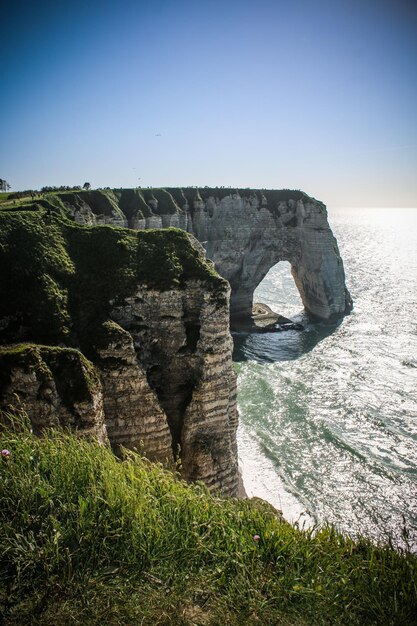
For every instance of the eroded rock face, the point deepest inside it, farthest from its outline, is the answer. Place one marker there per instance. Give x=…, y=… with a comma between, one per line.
x=162, y=383
x=56, y=387
x=182, y=342
x=246, y=232
x=91, y=208
x=133, y=415
x=246, y=237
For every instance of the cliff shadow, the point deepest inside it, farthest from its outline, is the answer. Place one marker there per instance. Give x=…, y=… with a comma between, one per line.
x=287, y=345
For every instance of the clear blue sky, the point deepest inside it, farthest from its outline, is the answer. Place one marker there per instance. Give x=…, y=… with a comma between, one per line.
x=319, y=95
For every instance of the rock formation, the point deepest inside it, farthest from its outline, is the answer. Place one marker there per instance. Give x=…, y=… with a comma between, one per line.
x=142, y=324
x=245, y=232
x=246, y=236
x=184, y=345
x=57, y=387
x=134, y=417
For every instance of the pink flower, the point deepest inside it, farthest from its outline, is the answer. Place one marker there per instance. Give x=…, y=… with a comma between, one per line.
x=5, y=453
x=256, y=537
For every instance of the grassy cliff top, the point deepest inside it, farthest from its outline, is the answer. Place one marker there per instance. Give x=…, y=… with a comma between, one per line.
x=57, y=278
x=141, y=202
x=89, y=539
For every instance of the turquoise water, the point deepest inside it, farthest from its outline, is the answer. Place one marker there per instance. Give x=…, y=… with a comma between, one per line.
x=329, y=415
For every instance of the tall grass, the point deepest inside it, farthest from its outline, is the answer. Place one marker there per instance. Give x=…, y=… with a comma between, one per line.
x=88, y=539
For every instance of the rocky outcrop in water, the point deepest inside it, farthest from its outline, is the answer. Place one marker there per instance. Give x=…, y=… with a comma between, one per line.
x=246, y=236
x=245, y=232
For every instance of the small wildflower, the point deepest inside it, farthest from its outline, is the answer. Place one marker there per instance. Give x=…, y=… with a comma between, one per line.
x=5, y=453
x=256, y=537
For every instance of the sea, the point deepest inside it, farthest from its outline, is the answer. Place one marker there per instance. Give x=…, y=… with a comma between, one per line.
x=328, y=415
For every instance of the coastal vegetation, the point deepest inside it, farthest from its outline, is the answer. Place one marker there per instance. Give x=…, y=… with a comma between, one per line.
x=87, y=538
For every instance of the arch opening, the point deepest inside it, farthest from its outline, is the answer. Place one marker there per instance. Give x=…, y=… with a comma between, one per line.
x=278, y=291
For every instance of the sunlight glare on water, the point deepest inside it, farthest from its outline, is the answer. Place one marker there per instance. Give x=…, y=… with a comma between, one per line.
x=329, y=414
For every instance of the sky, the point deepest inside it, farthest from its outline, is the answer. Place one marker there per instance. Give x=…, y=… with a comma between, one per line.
x=318, y=95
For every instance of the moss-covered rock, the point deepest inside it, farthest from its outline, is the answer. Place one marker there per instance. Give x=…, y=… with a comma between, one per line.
x=76, y=376
x=35, y=273
x=55, y=386
x=58, y=279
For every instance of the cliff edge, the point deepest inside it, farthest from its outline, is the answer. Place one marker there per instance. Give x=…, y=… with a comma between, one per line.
x=119, y=334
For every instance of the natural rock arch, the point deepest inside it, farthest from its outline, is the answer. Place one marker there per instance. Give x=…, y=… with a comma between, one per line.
x=245, y=237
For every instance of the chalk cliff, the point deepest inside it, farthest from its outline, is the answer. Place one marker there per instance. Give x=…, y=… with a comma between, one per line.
x=130, y=321
x=107, y=330
x=183, y=343
x=244, y=231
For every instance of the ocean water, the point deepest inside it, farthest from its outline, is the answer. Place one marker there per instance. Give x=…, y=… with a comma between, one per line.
x=328, y=415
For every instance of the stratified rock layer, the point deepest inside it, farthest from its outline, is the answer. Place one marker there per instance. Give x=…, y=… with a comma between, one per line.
x=134, y=417
x=183, y=344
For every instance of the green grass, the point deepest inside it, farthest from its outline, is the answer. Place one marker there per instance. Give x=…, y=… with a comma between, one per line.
x=4, y=195
x=273, y=196
x=88, y=539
